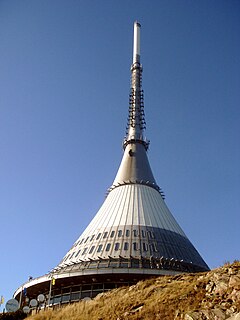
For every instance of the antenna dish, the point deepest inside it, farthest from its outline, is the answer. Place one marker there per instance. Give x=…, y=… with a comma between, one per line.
x=33, y=303
x=41, y=298
x=86, y=299
x=26, y=309
x=12, y=305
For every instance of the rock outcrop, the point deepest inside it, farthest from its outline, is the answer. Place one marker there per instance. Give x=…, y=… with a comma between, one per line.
x=222, y=295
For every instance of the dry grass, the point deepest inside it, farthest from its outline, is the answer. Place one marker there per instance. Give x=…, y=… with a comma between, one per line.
x=158, y=298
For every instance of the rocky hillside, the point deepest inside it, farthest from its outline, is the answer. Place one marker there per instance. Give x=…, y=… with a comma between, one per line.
x=211, y=295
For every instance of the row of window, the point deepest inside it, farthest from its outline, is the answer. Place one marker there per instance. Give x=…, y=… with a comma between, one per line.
x=141, y=262
x=111, y=234
x=78, y=293
x=145, y=247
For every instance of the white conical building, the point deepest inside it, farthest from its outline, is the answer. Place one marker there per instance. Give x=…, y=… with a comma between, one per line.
x=133, y=235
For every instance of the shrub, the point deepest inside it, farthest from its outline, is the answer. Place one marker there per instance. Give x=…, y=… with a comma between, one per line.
x=18, y=315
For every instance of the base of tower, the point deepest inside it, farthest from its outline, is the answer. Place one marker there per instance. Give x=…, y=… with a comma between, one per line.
x=69, y=289
x=89, y=278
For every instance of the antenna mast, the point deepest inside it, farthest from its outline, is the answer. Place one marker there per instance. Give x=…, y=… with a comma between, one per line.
x=136, y=117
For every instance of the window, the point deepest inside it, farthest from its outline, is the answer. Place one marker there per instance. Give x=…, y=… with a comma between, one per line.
x=152, y=247
x=146, y=264
x=127, y=233
x=119, y=233
x=151, y=234
x=126, y=246
x=113, y=263
x=98, y=236
x=65, y=298
x=93, y=265
x=86, y=287
x=105, y=235
x=135, y=246
x=123, y=264
x=145, y=246
x=84, y=251
x=108, y=246
x=135, y=233
x=117, y=245
x=86, y=240
x=112, y=234
x=99, y=248
x=103, y=264
x=91, y=250
x=143, y=233
x=66, y=257
x=78, y=253
x=97, y=286
x=135, y=263
x=92, y=237
x=72, y=255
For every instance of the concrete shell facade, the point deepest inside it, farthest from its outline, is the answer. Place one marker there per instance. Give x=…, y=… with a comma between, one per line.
x=133, y=221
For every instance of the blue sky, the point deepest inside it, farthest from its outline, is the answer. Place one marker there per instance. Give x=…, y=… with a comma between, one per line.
x=64, y=82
